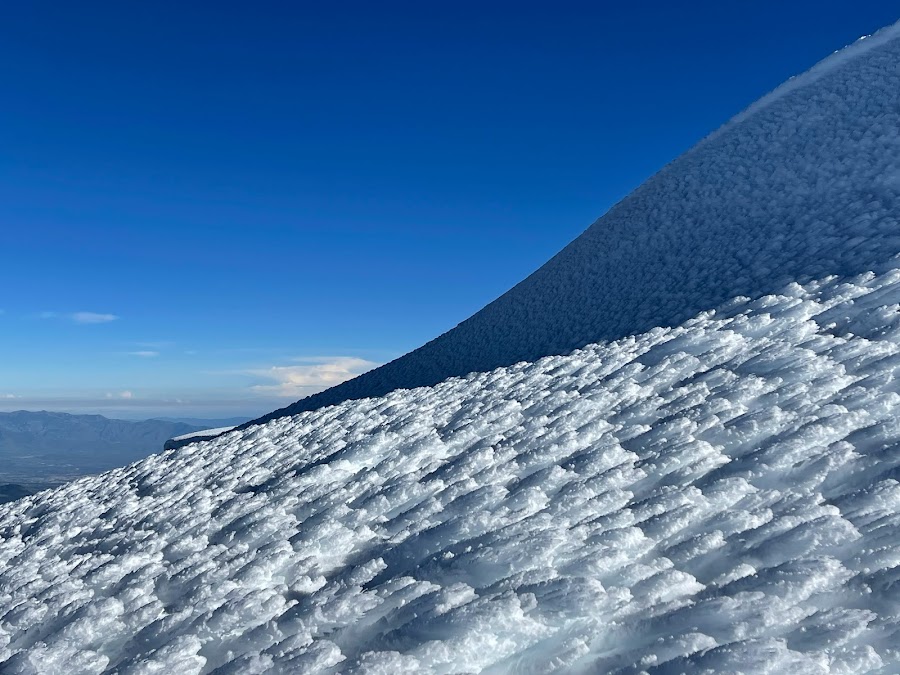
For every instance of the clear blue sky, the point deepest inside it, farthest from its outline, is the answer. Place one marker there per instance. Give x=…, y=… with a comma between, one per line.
x=214, y=208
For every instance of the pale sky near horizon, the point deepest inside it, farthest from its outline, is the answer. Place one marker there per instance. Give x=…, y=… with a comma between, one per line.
x=213, y=209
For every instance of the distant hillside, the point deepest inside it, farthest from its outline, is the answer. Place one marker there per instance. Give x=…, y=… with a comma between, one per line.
x=11, y=492
x=43, y=449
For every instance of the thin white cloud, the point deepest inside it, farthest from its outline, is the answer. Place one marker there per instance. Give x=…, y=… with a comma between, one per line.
x=92, y=317
x=125, y=395
x=317, y=374
x=79, y=317
x=144, y=354
x=8, y=396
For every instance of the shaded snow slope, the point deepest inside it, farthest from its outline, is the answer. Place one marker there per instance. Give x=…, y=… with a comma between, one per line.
x=204, y=433
x=722, y=495
x=186, y=439
x=804, y=184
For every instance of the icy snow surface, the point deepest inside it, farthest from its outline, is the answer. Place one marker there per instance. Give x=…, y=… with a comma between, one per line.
x=204, y=433
x=719, y=496
x=803, y=184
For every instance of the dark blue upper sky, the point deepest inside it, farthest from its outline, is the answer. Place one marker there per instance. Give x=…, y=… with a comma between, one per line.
x=210, y=202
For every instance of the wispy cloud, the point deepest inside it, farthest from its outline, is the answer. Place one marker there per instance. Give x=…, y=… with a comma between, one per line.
x=315, y=374
x=144, y=354
x=125, y=395
x=92, y=317
x=79, y=317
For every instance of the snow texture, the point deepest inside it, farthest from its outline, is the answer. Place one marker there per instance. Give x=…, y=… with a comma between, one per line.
x=694, y=491
x=803, y=184
x=720, y=496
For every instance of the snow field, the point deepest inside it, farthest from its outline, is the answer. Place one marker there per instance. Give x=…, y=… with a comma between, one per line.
x=719, y=496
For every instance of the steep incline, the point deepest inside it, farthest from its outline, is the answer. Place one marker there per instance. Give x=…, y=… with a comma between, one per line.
x=804, y=184
x=723, y=495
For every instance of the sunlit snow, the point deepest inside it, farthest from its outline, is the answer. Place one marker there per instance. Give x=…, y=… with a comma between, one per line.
x=722, y=495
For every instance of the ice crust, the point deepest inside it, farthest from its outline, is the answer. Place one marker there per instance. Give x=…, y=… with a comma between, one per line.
x=720, y=496
x=204, y=433
x=804, y=184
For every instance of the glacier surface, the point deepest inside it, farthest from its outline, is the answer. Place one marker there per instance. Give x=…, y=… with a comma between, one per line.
x=719, y=496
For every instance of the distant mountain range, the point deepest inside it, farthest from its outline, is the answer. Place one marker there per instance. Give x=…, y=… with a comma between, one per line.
x=43, y=449
x=205, y=423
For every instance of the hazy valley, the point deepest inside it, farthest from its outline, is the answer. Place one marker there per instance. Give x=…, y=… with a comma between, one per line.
x=39, y=450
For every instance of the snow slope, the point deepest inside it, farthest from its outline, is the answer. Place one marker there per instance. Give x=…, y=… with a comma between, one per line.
x=803, y=184
x=204, y=434
x=721, y=495
x=718, y=496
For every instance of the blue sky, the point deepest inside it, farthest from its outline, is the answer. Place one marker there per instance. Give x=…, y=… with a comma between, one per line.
x=212, y=209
